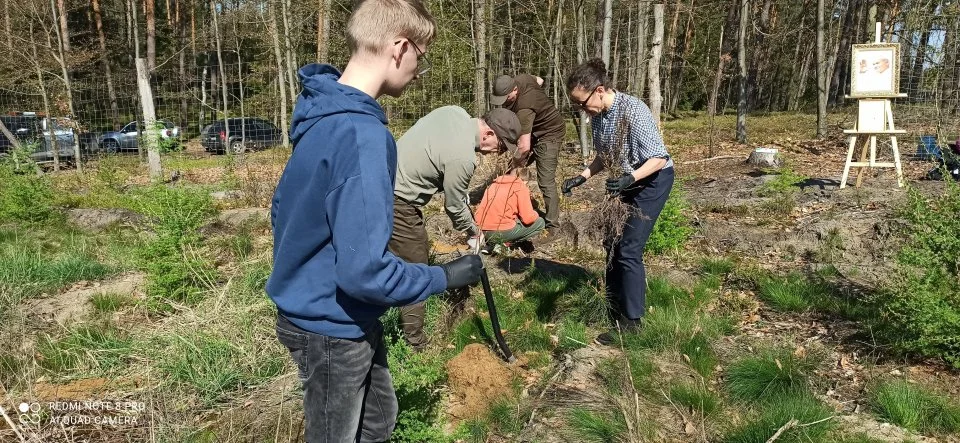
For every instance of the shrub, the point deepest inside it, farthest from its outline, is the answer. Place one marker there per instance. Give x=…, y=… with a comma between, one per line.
x=920, y=313
x=417, y=379
x=672, y=229
x=783, y=183
x=176, y=267
x=25, y=196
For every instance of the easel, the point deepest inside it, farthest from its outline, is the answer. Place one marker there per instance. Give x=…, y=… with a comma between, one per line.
x=875, y=118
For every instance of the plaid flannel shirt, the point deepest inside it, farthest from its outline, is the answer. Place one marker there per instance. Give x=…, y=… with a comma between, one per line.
x=629, y=125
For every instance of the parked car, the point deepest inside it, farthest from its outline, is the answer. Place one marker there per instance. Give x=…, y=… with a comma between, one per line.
x=37, y=131
x=245, y=134
x=128, y=138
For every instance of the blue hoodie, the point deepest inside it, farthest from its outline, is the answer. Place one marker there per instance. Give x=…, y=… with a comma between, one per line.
x=332, y=215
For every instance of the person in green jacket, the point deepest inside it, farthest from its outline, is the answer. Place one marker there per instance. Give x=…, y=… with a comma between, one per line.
x=439, y=154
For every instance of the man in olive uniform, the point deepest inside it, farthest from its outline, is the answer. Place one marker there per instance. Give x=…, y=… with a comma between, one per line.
x=439, y=154
x=541, y=132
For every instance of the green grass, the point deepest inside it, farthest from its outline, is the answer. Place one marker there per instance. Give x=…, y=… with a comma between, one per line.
x=615, y=375
x=792, y=293
x=35, y=262
x=213, y=367
x=107, y=302
x=804, y=408
x=915, y=408
x=507, y=417
x=695, y=398
x=595, y=426
x=716, y=266
x=699, y=354
x=86, y=349
x=571, y=335
x=770, y=376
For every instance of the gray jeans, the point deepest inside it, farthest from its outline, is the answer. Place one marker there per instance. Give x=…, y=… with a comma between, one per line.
x=348, y=393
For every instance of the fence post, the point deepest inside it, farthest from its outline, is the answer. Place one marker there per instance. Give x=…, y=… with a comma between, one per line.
x=149, y=129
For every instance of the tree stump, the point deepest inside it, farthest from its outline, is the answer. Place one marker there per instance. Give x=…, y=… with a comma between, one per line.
x=764, y=158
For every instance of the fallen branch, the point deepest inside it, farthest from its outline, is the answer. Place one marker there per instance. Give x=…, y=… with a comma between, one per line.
x=719, y=157
x=790, y=424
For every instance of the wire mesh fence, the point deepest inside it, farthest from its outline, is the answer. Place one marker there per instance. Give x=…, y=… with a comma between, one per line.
x=216, y=60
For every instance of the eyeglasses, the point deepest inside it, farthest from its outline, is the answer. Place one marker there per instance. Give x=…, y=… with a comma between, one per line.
x=583, y=104
x=421, y=60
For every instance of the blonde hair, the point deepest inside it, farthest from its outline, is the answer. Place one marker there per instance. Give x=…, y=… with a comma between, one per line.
x=374, y=22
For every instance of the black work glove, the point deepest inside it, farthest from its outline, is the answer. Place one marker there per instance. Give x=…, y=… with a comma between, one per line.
x=463, y=271
x=618, y=185
x=571, y=183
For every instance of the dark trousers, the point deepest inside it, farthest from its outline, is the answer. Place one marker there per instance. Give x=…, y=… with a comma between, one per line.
x=409, y=242
x=547, y=153
x=626, y=277
x=348, y=393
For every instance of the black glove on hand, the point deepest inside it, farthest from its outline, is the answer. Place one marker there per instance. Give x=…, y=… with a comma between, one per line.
x=463, y=271
x=618, y=185
x=571, y=183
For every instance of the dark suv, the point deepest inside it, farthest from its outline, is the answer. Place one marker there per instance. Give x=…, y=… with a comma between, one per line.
x=245, y=133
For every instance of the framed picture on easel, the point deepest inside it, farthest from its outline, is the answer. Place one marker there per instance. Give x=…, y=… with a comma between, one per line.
x=875, y=70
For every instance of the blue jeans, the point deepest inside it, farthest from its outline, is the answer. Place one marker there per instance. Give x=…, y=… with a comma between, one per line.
x=348, y=393
x=626, y=277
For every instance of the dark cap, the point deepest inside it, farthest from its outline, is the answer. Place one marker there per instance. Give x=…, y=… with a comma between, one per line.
x=506, y=125
x=502, y=86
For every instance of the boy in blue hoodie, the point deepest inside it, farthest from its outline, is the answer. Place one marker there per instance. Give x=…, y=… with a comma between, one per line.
x=332, y=215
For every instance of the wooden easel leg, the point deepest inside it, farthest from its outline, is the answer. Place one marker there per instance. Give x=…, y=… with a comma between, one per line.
x=846, y=167
x=896, y=160
x=863, y=158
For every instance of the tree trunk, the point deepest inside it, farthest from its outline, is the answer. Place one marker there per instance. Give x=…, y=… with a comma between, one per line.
x=149, y=10
x=615, y=54
x=323, y=32
x=6, y=24
x=223, y=75
x=150, y=135
x=480, y=45
x=679, y=62
x=54, y=148
x=643, y=21
x=105, y=60
x=725, y=49
x=653, y=67
x=607, y=28
x=243, y=112
x=136, y=29
x=671, y=42
x=291, y=59
x=821, y=72
x=914, y=85
x=64, y=30
x=585, y=139
x=68, y=88
x=506, y=60
x=278, y=56
x=181, y=29
x=742, y=56
x=801, y=85
x=843, y=55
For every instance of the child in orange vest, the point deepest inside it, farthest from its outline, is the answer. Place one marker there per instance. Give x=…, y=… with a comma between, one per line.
x=505, y=213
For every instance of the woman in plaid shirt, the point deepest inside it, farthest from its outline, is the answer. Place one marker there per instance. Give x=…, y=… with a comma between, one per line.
x=624, y=133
